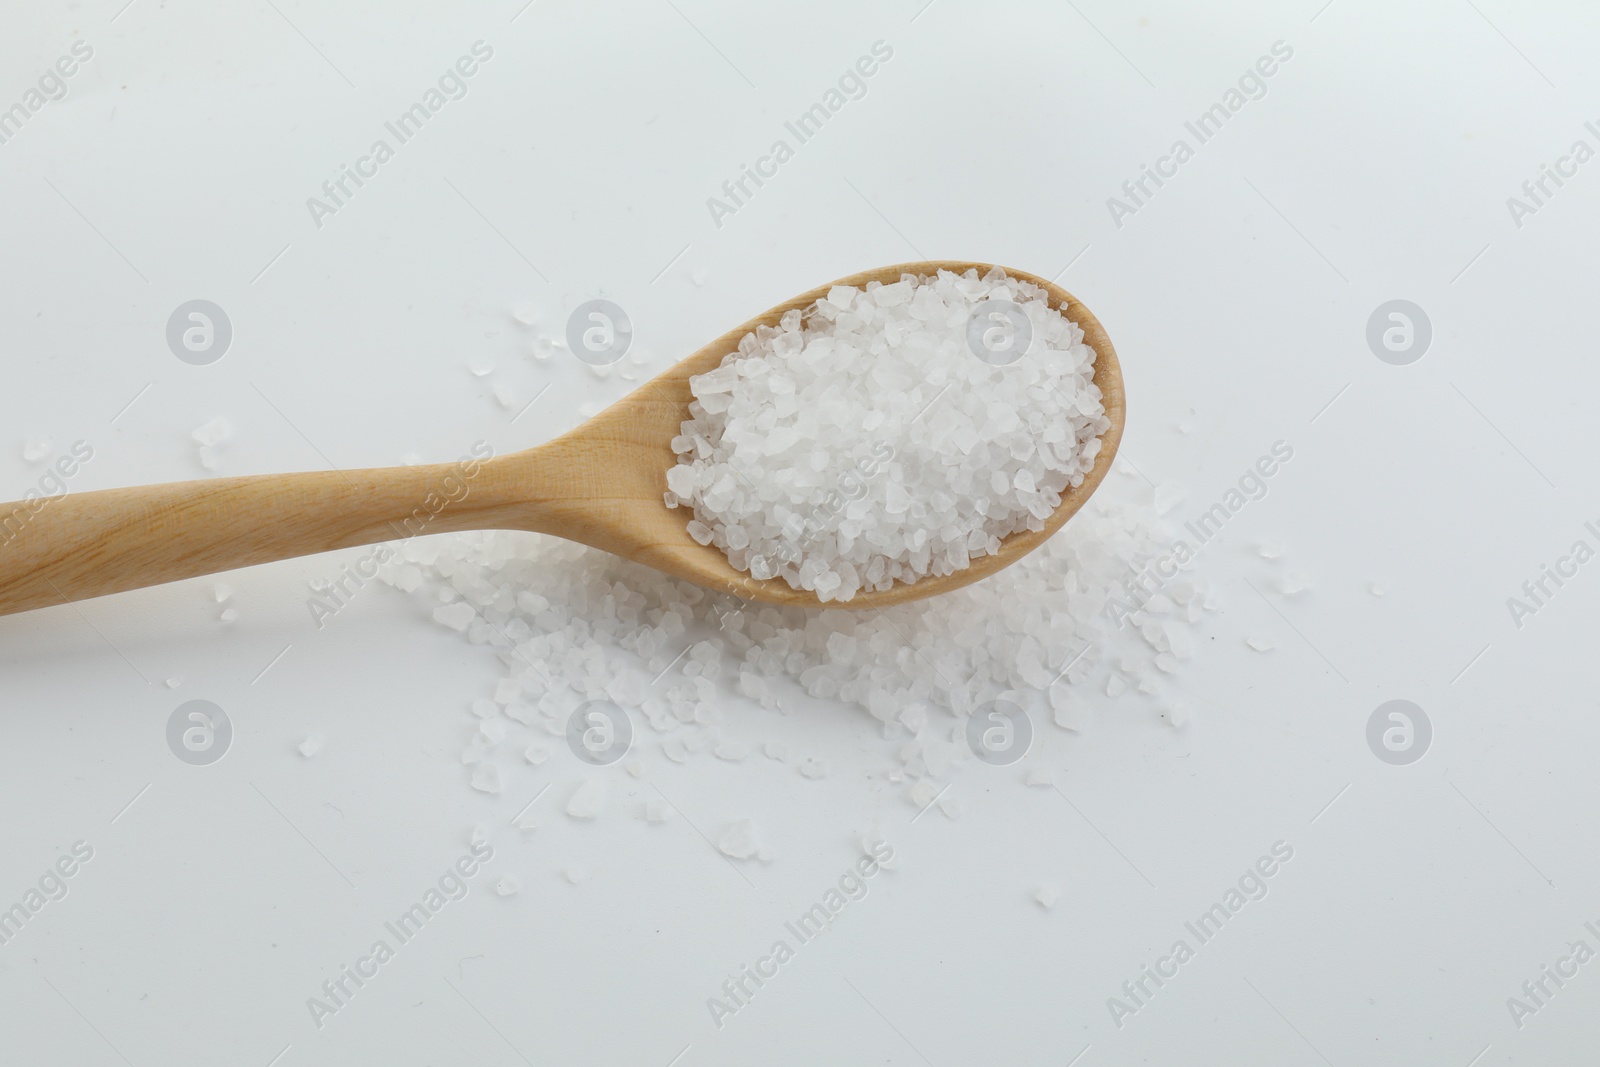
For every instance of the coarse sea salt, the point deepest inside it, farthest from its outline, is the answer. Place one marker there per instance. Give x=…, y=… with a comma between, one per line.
x=571, y=624
x=864, y=441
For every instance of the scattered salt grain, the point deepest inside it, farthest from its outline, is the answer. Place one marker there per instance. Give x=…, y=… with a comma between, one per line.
x=571, y=623
x=1046, y=896
x=221, y=592
x=589, y=800
x=456, y=616
x=655, y=811
x=574, y=875
x=739, y=840
x=1376, y=590
x=507, y=886
x=733, y=751
x=1260, y=644
x=526, y=313
x=480, y=368
x=486, y=778
x=311, y=745
x=175, y=681
x=479, y=834
x=536, y=753
x=1270, y=550
x=34, y=450
x=484, y=708
x=504, y=396
x=814, y=769
x=951, y=806
x=229, y=614
x=213, y=433
x=1040, y=776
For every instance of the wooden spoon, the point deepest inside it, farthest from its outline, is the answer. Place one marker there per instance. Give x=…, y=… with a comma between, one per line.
x=600, y=484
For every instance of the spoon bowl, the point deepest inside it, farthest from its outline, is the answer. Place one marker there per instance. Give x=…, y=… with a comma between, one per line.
x=600, y=484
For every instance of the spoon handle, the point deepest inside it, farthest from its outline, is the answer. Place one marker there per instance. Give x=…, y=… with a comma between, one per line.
x=64, y=548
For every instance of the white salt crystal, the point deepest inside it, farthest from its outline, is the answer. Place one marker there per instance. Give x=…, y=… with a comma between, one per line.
x=456, y=616
x=1260, y=644
x=776, y=750
x=536, y=753
x=311, y=745
x=480, y=367
x=655, y=811
x=484, y=708
x=35, y=449
x=479, y=834
x=573, y=875
x=1375, y=589
x=1167, y=497
x=486, y=778
x=175, y=681
x=951, y=806
x=732, y=750
x=1270, y=550
x=229, y=614
x=506, y=886
x=1039, y=776
x=589, y=800
x=526, y=313
x=1046, y=896
x=814, y=769
x=504, y=396
x=739, y=840
x=213, y=433
x=221, y=592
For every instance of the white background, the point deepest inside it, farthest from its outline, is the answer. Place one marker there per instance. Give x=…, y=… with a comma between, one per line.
x=1377, y=166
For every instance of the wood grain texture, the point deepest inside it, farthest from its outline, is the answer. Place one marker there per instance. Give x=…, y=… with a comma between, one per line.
x=600, y=484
